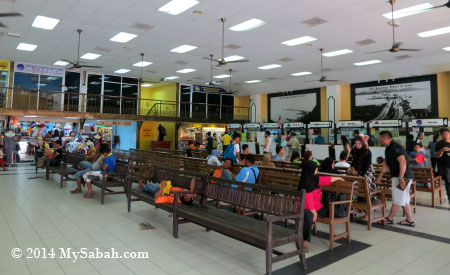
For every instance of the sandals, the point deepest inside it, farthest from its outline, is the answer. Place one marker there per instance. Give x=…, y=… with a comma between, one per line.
x=146, y=226
x=89, y=195
x=386, y=221
x=75, y=191
x=407, y=223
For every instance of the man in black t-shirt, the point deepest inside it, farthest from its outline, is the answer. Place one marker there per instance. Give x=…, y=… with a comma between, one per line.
x=57, y=154
x=209, y=143
x=442, y=152
x=396, y=161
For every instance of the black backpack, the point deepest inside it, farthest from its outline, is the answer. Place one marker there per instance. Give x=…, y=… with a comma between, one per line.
x=340, y=210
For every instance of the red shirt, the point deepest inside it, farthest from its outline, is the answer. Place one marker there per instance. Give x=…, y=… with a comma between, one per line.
x=313, y=200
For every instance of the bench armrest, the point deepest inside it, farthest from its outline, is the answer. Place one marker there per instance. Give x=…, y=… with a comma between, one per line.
x=272, y=219
x=332, y=203
x=184, y=192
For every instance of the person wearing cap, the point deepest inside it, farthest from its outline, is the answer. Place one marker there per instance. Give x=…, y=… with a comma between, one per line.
x=213, y=158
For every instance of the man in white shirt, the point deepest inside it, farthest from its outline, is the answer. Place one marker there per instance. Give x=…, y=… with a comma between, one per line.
x=342, y=163
x=267, y=143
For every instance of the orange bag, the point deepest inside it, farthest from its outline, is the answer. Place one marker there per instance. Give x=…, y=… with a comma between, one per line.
x=169, y=199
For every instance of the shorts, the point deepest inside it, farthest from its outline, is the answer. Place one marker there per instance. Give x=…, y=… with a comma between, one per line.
x=400, y=197
x=151, y=188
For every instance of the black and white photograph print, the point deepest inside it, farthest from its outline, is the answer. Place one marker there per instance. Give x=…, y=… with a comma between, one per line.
x=296, y=106
x=403, y=101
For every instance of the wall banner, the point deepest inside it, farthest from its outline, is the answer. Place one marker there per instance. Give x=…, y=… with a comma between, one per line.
x=350, y=124
x=38, y=69
x=320, y=124
x=4, y=65
x=385, y=123
x=293, y=125
x=430, y=122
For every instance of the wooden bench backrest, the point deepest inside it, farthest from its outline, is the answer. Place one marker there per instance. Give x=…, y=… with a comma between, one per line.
x=423, y=174
x=178, y=178
x=279, y=179
x=74, y=159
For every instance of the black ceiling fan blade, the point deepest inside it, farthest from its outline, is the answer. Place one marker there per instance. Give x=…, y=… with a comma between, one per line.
x=441, y=6
x=378, y=51
x=411, y=50
x=10, y=14
x=209, y=58
x=91, y=66
x=331, y=80
x=316, y=80
x=236, y=61
x=3, y=25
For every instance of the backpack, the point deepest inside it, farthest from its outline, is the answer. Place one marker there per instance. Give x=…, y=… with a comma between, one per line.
x=217, y=174
x=229, y=153
x=340, y=210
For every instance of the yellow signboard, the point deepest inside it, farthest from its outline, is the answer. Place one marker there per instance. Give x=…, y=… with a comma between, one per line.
x=4, y=65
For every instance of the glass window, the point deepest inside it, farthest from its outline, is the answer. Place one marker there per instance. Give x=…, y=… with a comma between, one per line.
x=111, y=98
x=94, y=90
x=227, y=107
x=185, y=99
x=72, y=94
x=130, y=80
x=198, y=105
x=129, y=100
x=113, y=78
x=213, y=106
x=50, y=95
x=23, y=97
x=4, y=77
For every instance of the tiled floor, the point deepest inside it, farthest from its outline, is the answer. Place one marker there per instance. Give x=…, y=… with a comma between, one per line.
x=35, y=213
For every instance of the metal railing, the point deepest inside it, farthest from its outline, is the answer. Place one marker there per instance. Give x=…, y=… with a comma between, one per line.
x=19, y=98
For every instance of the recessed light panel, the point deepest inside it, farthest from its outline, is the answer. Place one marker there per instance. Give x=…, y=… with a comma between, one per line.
x=183, y=49
x=176, y=7
x=171, y=77
x=90, y=56
x=409, y=11
x=234, y=58
x=248, y=25
x=370, y=62
x=142, y=64
x=434, y=32
x=253, y=81
x=222, y=76
x=122, y=71
x=447, y=49
x=61, y=63
x=298, y=41
x=268, y=67
x=185, y=71
x=123, y=37
x=43, y=22
x=301, y=74
x=26, y=47
x=336, y=53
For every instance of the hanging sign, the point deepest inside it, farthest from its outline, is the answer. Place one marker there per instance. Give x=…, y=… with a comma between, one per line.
x=4, y=65
x=320, y=124
x=430, y=122
x=251, y=126
x=115, y=123
x=385, y=123
x=207, y=89
x=271, y=125
x=293, y=125
x=38, y=69
x=350, y=124
x=234, y=126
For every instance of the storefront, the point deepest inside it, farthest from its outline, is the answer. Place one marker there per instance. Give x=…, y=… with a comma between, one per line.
x=197, y=132
x=118, y=134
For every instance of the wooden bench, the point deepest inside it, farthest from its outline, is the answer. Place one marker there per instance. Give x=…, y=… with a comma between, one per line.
x=338, y=187
x=68, y=166
x=261, y=234
x=426, y=175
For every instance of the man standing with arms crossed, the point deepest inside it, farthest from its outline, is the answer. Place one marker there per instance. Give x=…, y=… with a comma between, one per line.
x=401, y=175
x=442, y=152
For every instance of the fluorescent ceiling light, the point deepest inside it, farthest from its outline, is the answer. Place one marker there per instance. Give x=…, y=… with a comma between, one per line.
x=146, y=85
x=183, y=49
x=176, y=7
x=26, y=47
x=252, y=81
x=248, y=25
x=268, y=67
x=233, y=58
x=370, y=62
x=434, y=32
x=122, y=71
x=90, y=56
x=336, y=53
x=409, y=11
x=171, y=77
x=301, y=74
x=30, y=116
x=123, y=37
x=222, y=76
x=45, y=23
x=185, y=71
x=61, y=63
x=142, y=64
x=298, y=41
x=446, y=49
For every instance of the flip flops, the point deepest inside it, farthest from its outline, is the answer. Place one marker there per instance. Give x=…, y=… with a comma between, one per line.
x=386, y=221
x=407, y=223
x=89, y=195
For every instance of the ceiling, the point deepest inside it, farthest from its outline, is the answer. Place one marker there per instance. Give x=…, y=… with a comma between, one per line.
x=348, y=21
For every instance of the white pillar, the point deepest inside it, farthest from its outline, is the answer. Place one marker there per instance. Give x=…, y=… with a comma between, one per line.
x=332, y=111
x=255, y=108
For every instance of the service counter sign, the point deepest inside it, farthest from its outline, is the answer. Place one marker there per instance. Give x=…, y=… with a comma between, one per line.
x=251, y=126
x=350, y=124
x=430, y=122
x=271, y=125
x=294, y=125
x=115, y=123
x=234, y=126
x=207, y=89
x=4, y=65
x=320, y=124
x=38, y=69
x=385, y=123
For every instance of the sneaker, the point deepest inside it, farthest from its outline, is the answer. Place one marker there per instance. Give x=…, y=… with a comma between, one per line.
x=72, y=177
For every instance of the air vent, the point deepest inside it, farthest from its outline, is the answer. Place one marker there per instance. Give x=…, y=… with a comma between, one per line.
x=314, y=21
x=181, y=62
x=402, y=56
x=233, y=46
x=286, y=59
x=101, y=49
x=365, y=42
x=142, y=26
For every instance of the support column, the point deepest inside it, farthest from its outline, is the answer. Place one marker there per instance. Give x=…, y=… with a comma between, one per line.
x=255, y=108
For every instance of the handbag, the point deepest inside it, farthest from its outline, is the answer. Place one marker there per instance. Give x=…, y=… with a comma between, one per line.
x=353, y=171
x=340, y=210
x=402, y=185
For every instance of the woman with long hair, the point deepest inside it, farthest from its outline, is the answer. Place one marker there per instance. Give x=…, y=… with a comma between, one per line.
x=362, y=163
x=346, y=145
x=327, y=166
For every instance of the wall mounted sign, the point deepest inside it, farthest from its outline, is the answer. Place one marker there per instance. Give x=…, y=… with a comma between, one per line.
x=251, y=125
x=234, y=126
x=271, y=125
x=207, y=89
x=294, y=125
x=115, y=123
x=350, y=124
x=38, y=69
x=385, y=123
x=430, y=122
x=4, y=65
x=320, y=124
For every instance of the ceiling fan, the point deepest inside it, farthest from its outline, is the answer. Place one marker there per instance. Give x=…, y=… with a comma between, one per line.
x=322, y=77
x=230, y=92
x=77, y=65
x=211, y=82
x=441, y=6
x=395, y=45
x=141, y=79
x=222, y=61
x=8, y=14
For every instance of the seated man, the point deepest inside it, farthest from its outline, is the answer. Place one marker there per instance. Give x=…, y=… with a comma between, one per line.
x=225, y=171
x=342, y=163
x=319, y=139
x=57, y=154
x=250, y=173
x=86, y=166
x=280, y=154
x=109, y=164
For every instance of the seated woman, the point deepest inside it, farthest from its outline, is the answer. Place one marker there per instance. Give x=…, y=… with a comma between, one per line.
x=48, y=155
x=328, y=166
x=295, y=157
x=213, y=159
x=311, y=182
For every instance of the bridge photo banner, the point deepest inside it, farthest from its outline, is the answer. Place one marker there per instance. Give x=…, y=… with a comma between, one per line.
x=404, y=99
